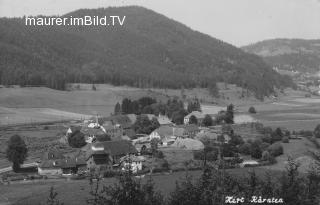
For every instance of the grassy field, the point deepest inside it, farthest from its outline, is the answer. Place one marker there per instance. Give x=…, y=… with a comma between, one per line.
x=37, y=192
x=38, y=104
x=38, y=139
x=299, y=150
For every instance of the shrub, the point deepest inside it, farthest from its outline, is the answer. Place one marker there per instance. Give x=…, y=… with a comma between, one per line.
x=265, y=156
x=245, y=149
x=264, y=146
x=158, y=154
x=252, y=110
x=275, y=149
x=207, y=121
x=277, y=135
x=255, y=151
x=76, y=139
x=316, y=131
x=285, y=140
x=266, y=138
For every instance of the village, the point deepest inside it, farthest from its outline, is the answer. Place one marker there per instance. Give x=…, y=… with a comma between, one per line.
x=149, y=143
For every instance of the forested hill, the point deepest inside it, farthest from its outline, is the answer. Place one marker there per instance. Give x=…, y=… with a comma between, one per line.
x=150, y=50
x=289, y=54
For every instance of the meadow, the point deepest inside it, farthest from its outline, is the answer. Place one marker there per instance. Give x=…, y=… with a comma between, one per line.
x=75, y=192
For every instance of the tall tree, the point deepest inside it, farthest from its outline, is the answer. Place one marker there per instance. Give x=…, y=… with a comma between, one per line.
x=126, y=106
x=229, y=119
x=16, y=151
x=207, y=121
x=193, y=120
x=117, y=109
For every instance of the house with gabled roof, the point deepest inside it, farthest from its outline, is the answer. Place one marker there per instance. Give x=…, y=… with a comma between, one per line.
x=199, y=115
x=108, y=154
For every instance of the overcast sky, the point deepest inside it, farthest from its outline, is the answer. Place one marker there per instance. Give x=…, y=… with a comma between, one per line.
x=239, y=22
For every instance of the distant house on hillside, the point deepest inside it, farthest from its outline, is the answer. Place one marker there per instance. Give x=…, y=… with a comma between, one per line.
x=164, y=133
x=199, y=115
x=107, y=154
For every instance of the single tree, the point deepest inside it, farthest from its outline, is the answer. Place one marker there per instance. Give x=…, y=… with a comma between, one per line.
x=16, y=151
x=117, y=109
x=229, y=114
x=193, y=120
x=76, y=139
x=252, y=110
x=207, y=121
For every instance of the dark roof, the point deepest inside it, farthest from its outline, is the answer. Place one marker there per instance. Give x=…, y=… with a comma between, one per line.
x=91, y=131
x=91, y=152
x=50, y=164
x=52, y=154
x=74, y=128
x=115, y=148
x=168, y=131
x=62, y=163
x=123, y=120
x=190, y=128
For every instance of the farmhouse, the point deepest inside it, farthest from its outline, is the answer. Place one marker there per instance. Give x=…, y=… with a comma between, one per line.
x=91, y=133
x=54, y=163
x=190, y=130
x=107, y=154
x=199, y=115
x=132, y=163
x=164, y=132
x=61, y=166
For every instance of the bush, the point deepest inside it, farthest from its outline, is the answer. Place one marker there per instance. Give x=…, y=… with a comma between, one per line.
x=275, y=149
x=245, y=149
x=76, y=139
x=316, y=131
x=252, y=110
x=265, y=156
x=158, y=154
x=207, y=121
x=256, y=151
x=266, y=138
x=277, y=135
x=285, y=140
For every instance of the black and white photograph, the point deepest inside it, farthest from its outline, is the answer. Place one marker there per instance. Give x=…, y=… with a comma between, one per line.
x=159, y=102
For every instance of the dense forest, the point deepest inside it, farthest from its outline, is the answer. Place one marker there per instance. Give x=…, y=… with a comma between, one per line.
x=150, y=50
x=289, y=54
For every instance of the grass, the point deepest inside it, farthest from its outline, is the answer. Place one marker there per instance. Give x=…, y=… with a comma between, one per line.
x=76, y=192
x=37, y=138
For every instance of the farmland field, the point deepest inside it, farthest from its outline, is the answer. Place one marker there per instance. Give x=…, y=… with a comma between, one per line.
x=29, y=193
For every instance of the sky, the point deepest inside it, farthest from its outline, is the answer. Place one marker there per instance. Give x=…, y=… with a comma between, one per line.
x=239, y=22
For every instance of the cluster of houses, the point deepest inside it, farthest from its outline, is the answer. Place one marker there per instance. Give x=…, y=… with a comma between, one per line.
x=99, y=156
x=125, y=146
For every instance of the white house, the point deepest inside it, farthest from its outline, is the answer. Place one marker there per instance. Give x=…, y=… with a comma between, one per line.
x=164, y=132
x=132, y=163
